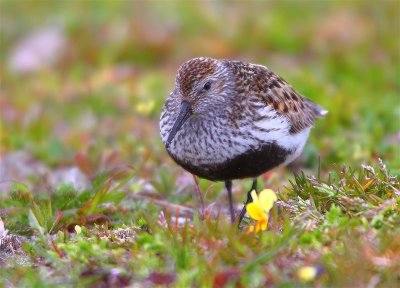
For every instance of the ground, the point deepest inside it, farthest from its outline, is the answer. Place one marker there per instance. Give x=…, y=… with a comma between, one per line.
x=89, y=196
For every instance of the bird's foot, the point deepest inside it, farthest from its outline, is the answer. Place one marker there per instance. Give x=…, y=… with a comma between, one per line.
x=248, y=200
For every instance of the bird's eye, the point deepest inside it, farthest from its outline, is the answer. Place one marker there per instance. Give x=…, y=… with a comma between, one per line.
x=207, y=86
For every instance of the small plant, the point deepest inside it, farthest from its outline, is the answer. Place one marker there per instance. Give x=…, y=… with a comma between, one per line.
x=259, y=208
x=66, y=206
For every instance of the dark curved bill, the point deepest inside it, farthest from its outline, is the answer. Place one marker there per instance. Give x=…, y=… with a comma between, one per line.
x=186, y=111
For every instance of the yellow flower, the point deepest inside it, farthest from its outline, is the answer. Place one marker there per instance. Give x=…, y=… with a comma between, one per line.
x=307, y=273
x=78, y=229
x=144, y=108
x=259, y=209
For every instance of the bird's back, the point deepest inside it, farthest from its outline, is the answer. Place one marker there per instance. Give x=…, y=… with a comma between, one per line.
x=261, y=84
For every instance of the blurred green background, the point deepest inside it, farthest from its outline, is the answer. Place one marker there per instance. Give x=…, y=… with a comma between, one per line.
x=90, y=77
x=82, y=84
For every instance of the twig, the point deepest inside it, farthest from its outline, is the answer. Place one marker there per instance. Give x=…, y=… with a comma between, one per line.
x=163, y=203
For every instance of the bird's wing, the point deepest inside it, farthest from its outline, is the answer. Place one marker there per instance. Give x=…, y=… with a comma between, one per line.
x=275, y=91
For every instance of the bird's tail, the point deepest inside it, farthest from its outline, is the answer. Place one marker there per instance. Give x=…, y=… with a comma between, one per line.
x=317, y=110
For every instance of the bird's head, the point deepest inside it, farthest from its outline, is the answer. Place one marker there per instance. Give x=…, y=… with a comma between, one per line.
x=204, y=86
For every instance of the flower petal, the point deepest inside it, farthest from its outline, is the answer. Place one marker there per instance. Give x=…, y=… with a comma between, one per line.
x=250, y=229
x=255, y=211
x=263, y=224
x=254, y=196
x=267, y=198
x=307, y=273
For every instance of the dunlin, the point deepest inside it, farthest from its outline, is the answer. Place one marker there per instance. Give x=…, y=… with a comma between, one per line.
x=227, y=120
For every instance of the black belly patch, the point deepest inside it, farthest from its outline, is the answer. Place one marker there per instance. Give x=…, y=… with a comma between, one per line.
x=247, y=165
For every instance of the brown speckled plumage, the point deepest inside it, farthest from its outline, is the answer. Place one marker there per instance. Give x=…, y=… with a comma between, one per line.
x=191, y=73
x=274, y=91
x=229, y=119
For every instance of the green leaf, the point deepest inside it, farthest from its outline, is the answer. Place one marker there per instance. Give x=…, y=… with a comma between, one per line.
x=333, y=214
x=38, y=212
x=114, y=196
x=20, y=193
x=34, y=223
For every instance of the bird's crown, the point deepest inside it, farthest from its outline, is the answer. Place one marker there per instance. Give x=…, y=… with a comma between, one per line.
x=193, y=72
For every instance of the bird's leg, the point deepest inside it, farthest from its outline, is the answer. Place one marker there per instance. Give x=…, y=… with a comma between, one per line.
x=199, y=197
x=253, y=187
x=228, y=185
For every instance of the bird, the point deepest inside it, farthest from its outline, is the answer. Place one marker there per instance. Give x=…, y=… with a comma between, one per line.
x=226, y=120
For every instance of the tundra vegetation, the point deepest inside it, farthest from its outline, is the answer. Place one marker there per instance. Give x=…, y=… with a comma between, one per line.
x=89, y=196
